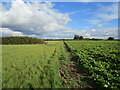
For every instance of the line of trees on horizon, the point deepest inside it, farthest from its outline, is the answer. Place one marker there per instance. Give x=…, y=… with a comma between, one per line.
x=21, y=40
x=31, y=40
x=77, y=37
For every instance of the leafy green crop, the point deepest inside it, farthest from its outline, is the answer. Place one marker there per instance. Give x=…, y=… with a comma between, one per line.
x=100, y=59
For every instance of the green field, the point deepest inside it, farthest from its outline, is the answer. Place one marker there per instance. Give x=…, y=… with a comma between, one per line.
x=31, y=65
x=100, y=59
x=39, y=65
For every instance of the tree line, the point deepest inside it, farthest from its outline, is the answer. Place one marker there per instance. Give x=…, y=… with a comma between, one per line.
x=31, y=40
x=77, y=37
x=21, y=40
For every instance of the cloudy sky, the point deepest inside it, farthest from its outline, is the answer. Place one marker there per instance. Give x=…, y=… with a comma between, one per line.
x=59, y=19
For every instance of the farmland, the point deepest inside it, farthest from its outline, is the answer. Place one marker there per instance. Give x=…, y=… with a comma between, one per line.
x=100, y=59
x=49, y=65
x=31, y=66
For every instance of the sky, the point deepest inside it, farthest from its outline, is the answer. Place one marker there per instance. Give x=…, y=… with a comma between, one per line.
x=58, y=20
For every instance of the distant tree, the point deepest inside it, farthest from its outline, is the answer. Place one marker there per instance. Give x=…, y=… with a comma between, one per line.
x=80, y=37
x=21, y=40
x=86, y=38
x=111, y=38
x=76, y=36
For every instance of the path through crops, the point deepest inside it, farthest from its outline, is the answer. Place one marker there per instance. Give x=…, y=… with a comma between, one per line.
x=61, y=64
x=73, y=74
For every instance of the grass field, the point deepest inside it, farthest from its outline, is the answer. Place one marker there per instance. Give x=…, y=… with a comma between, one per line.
x=31, y=65
x=49, y=65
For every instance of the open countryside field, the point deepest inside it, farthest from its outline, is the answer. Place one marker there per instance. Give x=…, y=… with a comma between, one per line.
x=59, y=64
x=31, y=66
x=57, y=45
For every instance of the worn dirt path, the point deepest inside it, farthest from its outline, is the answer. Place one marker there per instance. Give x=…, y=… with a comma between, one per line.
x=73, y=74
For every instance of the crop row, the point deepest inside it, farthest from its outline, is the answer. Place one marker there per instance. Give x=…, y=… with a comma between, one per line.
x=100, y=59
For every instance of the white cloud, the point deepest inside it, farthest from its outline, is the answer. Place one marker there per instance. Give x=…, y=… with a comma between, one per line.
x=104, y=33
x=93, y=33
x=94, y=21
x=8, y=32
x=34, y=18
x=98, y=33
x=93, y=30
x=99, y=25
x=109, y=12
x=105, y=14
x=41, y=20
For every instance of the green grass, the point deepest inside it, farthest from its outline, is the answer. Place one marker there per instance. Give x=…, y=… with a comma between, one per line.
x=31, y=66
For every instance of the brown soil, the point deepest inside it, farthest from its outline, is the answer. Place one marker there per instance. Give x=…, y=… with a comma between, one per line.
x=76, y=76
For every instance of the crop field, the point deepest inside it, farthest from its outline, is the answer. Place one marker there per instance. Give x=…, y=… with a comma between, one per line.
x=100, y=59
x=49, y=65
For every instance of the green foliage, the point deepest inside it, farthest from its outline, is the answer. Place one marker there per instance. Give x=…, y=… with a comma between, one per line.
x=80, y=37
x=21, y=40
x=77, y=37
x=99, y=58
x=111, y=38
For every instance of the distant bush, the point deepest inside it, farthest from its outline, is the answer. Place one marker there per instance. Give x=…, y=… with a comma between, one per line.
x=21, y=40
x=111, y=38
x=96, y=39
x=77, y=37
